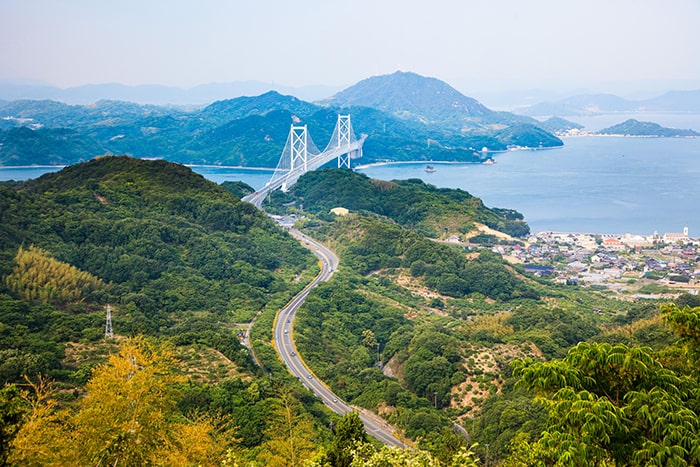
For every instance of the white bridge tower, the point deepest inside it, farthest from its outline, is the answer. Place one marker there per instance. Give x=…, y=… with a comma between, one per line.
x=343, y=126
x=299, y=150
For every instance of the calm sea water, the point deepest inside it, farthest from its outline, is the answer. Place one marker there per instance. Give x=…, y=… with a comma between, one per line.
x=592, y=184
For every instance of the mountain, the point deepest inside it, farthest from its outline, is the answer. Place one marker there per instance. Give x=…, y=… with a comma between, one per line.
x=678, y=101
x=634, y=127
x=409, y=95
x=413, y=204
x=583, y=104
x=157, y=94
x=241, y=107
x=54, y=114
x=427, y=335
x=436, y=104
x=591, y=104
x=526, y=135
x=420, y=119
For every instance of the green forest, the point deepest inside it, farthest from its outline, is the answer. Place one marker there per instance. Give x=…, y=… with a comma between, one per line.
x=470, y=358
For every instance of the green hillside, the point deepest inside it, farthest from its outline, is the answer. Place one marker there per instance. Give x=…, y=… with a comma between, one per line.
x=425, y=332
x=174, y=251
x=410, y=325
x=430, y=211
x=181, y=261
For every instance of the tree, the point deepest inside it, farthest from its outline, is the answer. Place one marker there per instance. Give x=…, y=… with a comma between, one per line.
x=614, y=405
x=393, y=457
x=128, y=417
x=349, y=432
x=369, y=340
x=12, y=412
x=43, y=438
x=130, y=402
x=290, y=434
x=685, y=323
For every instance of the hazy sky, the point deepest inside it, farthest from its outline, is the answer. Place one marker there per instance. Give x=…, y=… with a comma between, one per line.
x=471, y=44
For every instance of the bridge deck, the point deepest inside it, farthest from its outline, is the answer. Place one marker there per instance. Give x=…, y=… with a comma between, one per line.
x=291, y=177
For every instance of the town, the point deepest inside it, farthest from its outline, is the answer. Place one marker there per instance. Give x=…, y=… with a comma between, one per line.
x=624, y=263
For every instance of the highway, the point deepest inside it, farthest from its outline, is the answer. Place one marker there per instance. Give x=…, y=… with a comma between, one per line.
x=284, y=342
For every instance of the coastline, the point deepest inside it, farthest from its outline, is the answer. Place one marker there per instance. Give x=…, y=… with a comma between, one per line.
x=585, y=134
x=33, y=167
x=479, y=162
x=385, y=163
x=235, y=167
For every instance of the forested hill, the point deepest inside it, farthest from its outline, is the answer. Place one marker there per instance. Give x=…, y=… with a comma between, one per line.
x=431, y=211
x=423, y=332
x=431, y=333
x=170, y=250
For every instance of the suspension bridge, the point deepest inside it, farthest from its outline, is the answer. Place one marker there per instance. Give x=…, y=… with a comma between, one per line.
x=301, y=155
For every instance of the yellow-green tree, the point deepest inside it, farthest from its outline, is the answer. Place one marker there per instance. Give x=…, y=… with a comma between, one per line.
x=291, y=435
x=37, y=277
x=128, y=412
x=129, y=417
x=12, y=412
x=42, y=438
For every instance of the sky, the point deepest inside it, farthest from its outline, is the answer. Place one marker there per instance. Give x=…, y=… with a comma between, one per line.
x=474, y=45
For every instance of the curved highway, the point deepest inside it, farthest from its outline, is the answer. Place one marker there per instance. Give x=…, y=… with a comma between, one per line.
x=284, y=343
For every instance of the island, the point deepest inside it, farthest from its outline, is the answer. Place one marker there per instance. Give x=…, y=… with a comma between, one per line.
x=634, y=127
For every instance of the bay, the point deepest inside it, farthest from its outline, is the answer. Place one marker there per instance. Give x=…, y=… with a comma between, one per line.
x=593, y=184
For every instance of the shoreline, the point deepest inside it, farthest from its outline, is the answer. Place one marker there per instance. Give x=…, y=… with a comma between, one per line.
x=33, y=166
x=610, y=135
x=236, y=167
x=431, y=162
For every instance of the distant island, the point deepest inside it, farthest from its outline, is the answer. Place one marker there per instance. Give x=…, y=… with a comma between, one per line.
x=634, y=127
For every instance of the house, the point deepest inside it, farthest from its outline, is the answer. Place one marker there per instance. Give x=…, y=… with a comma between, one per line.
x=613, y=244
x=674, y=237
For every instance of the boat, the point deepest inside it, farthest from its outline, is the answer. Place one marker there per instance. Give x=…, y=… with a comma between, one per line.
x=489, y=161
x=430, y=169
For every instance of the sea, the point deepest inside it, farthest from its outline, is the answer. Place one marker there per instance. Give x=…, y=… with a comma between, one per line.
x=593, y=184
